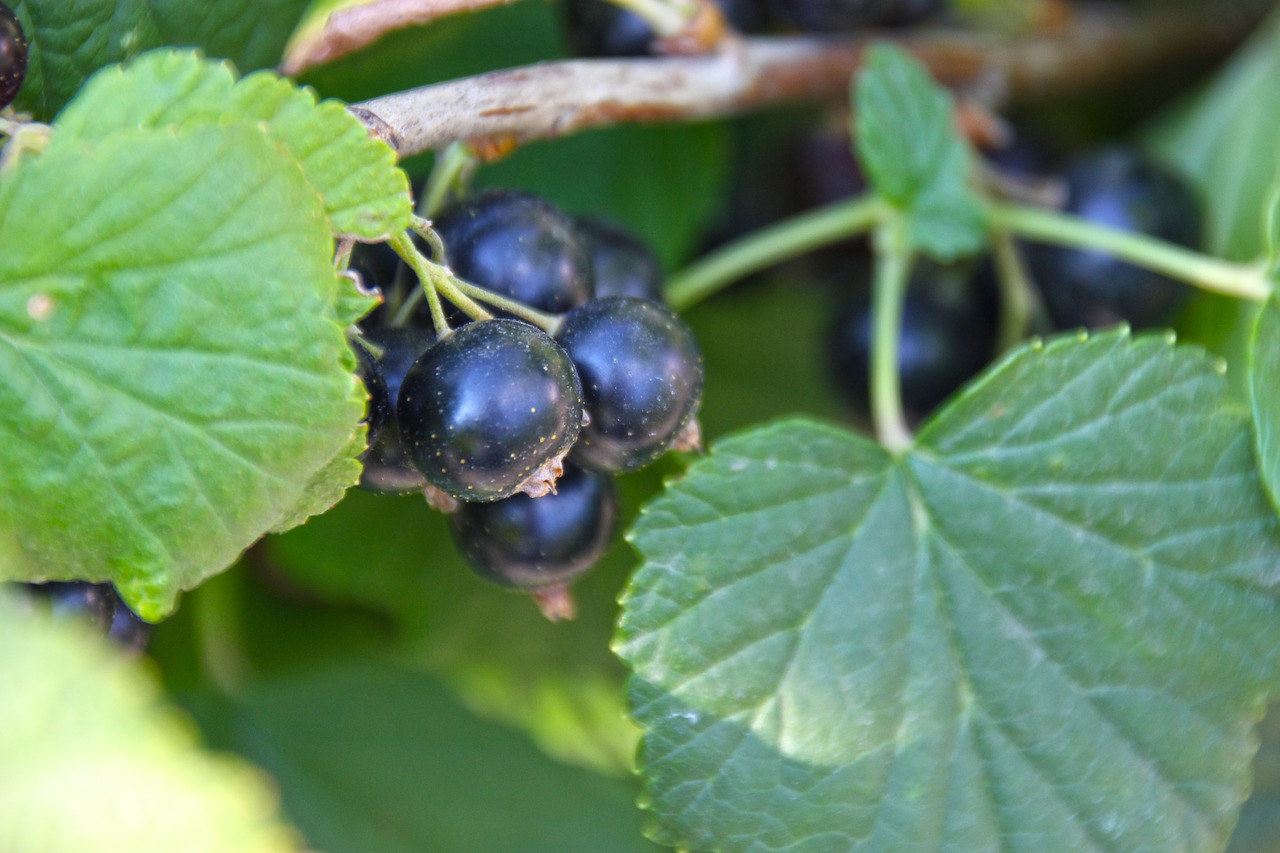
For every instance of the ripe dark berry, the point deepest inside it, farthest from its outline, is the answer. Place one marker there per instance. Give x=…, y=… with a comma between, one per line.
x=13, y=56
x=846, y=15
x=948, y=336
x=621, y=264
x=520, y=246
x=387, y=468
x=529, y=543
x=127, y=630
x=486, y=408
x=601, y=28
x=1119, y=188
x=641, y=379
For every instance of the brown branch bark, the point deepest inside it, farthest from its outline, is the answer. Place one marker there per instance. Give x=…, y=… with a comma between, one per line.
x=355, y=28
x=559, y=98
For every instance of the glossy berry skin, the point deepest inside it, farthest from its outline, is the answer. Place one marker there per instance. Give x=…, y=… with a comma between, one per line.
x=1118, y=188
x=13, y=56
x=487, y=406
x=621, y=264
x=845, y=15
x=520, y=246
x=641, y=379
x=387, y=468
x=530, y=544
x=601, y=28
x=948, y=336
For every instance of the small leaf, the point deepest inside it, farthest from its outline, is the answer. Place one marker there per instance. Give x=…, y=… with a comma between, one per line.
x=364, y=193
x=372, y=758
x=94, y=763
x=173, y=378
x=70, y=39
x=557, y=682
x=1014, y=636
x=904, y=129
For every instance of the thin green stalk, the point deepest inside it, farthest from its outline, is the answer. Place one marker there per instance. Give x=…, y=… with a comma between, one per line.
x=452, y=172
x=1018, y=300
x=1243, y=281
x=423, y=229
x=549, y=323
x=893, y=269
x=404, y=247
x=219, y=633
x=772, y=245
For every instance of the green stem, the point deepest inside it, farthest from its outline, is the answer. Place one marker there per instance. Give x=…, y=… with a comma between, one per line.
x=404, y=247
x=423, y=229
x=451, y=173
x=1018, y=302
x=772, y=245
x=893, y=269
x=549, y=323
x=1243, y=281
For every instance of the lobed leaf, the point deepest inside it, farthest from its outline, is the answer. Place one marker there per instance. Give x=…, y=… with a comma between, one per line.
x=365, y=194
x=1050, y=626
x=172, y=376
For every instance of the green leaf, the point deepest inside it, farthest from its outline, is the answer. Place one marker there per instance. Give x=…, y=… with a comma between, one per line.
x=364, y=193
x=1271, y=234
x=559, y=682
x=173, y=376
x=904, y=129
x=1014, y=636
x=330, y=483
x=93, y=762
x=1264, y=388
x=372, y=758
x=70, y=39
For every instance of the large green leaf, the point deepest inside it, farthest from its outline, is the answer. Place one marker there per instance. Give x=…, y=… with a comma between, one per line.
x=364, y=193
x=1264, y=387
x=904, y=129
x=94, y=763
x=376, y=759
x=1050, y=626
x=171, y=377
x=70, y=39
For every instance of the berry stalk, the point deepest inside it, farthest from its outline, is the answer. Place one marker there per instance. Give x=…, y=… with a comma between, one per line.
x=761, y=249
x=1242, y=281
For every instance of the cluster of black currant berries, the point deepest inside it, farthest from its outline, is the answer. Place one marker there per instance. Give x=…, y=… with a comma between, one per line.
x=515, y=431
x=951, y=314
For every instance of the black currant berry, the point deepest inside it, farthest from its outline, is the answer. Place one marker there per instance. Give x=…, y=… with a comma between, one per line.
x=387, y=468
x=621, y=264
x=601, y=28
x=96, y=605
x=641, y=379
x=485, y=409
x=519, y=246
x=13, y=56
x=948, y=336
x=529, y=543
x=91, y=603
x=1118, y=188
x=847, y=15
